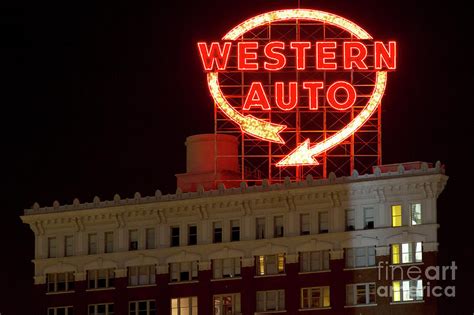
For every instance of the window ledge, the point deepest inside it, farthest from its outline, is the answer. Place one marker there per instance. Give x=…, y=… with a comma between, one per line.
x=269, y=312
x=183, y=282
x=314, y=309
x=60, y=292
x=359, y=268
x=100, y=289
x=407, y=302
x=273, y=275
x=359, y=305
x=408, y=264
x=224, y=279
x=310, y=272
x=141, y=286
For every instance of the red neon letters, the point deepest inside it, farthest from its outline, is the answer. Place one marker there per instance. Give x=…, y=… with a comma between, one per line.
x=215, y=56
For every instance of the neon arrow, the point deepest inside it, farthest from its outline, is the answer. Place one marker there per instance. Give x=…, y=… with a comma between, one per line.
x=304, y=153
x=249, y=124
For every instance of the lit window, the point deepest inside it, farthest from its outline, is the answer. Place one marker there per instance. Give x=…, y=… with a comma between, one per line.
x=184, y=306
x=235, y=230
x=314, y=261
x=192, y=234
x=217, y=232
x=396, y=215
x=369, y=218
x=270, y=300
x=278, y=224
x=101, y=309
x=407, y=253
x=304, y=224
x=184, y=271
x=109, y=242
x=142, y=308
x=359, y=257
x=150, y=238
x=174, y=236
x=408, y=290
x=270, y=264
x=60, y=282
x=63, y=310
x=141, y=275
x=415, y=213
x=350, y=220
x=227, y=304
x=92, y=242
x=226, y=268
x=323, y=222
x=360, y=293
x=100, y=278
x=316, y=297
x=133, y=240
x=52, y=247
x=260, y=228
x=68, y=246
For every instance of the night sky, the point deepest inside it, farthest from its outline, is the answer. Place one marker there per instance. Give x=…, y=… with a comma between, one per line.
x=99, y=96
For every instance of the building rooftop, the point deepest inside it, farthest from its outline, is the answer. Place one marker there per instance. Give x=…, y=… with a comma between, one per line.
x=379, y=172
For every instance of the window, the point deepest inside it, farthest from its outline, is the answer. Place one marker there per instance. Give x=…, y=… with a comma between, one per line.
x=369, y=218
x=278, y=225
x=407, y=253
x=304, y=224
x=184, y=306
x=52, y=247
x=235, y=231
x=350, y=220
x=184, y=271
x=226, y=268
x=396, y=215
x=92, y=242
x=217, y=232
x=314, y=261
x=270, y=264
x=100, y=278
x=63, y=310
x=226, y=304
x=60, y=282
x=150, y=238
x=133, y=240
x=408, y=290
x=109, y=242
x=174, y=236
x=141, y=275
x=260, y=228
x=101, y=309
x=415, y=215
x=142, y=308
x=358, y=257
x=270, y=300
x=316, y=297
x=360, y=293
x=192, y=235
x=68, y=246
x=323, y=222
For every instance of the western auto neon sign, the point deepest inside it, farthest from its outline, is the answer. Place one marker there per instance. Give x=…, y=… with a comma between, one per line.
x=273, y=56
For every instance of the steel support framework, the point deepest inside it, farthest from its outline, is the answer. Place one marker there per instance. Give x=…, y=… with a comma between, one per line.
x=257, y=158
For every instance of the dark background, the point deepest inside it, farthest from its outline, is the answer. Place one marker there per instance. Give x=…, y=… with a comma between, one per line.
x=98, y=97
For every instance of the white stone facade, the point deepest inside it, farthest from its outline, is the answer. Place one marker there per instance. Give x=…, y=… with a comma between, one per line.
x=335, y=195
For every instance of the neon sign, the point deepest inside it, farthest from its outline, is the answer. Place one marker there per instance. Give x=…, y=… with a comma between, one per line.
x=361, y=53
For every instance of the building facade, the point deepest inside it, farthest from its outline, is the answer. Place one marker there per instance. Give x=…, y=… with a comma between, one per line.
x=327, y=246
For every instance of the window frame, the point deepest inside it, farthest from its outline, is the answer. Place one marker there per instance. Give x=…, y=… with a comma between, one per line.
x=321, y=229
x=278, y=226
x=69, y=310
x=398, y=294
x=192, y=268
x=352, y=288
x=347, y=226
x=412, y=213
x=192, y=302
x=260, y=228
x=324, y=292
x=324, y=261
x=175, y=239
x=150, y=310
x=367, y=257
x=136, y=271
x=68, y=248
x=108, y=242
x=235, y=230
x=217, y=232
x=277, y=262
x=367, y=225
x=96, y=305
x=218, y=267
x=69, y=282
x=109, y=278
x=235, y=302
x=396, y=219
x=398, y=254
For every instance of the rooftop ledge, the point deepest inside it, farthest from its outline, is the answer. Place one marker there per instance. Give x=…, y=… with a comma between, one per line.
x=382, y=171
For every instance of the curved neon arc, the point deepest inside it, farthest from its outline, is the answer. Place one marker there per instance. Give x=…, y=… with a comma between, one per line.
x=303, y=154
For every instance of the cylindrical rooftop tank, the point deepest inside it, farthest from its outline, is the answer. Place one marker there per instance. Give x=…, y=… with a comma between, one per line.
x=200, y=153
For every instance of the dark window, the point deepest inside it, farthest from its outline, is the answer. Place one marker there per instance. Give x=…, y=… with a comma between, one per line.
x=235, y=232
x=192, y=235
x=175, y=236
x=217, y=238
